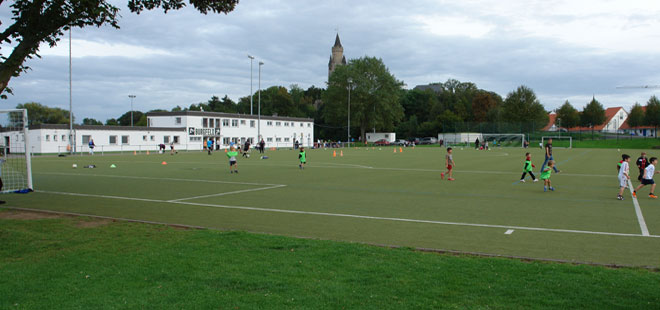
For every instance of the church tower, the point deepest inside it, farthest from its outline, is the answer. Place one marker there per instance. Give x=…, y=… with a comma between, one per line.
x=337, y=58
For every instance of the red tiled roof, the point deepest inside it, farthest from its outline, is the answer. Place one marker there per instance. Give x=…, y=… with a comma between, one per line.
x=551, y=120
x=625, y=125
x=609, y=114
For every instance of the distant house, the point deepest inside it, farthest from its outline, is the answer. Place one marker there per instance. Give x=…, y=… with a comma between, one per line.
x=642, y=131
x=614, y=118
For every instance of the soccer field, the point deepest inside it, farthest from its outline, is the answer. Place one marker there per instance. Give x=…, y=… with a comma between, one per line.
x=374, y=196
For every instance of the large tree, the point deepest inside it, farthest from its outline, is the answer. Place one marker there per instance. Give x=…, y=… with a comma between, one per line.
x=636, y=116
x=41, y=114
x=482, y=104
x=374, y=95
x=44, y=21
x=652, y=117
x=522, y=106
x=567, y=116
x=593, y=114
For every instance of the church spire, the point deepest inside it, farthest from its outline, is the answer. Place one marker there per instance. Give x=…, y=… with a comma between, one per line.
x=337, y=41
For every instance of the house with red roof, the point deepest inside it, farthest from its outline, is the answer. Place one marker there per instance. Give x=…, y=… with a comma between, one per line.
x=642, y=131
x=614, y=118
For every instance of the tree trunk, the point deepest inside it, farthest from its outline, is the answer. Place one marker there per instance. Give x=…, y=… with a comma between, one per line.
x=11, y=67
x=363, y=131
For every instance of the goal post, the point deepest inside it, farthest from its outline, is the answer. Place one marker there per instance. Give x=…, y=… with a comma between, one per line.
x=504, y=139
x=469, y=139
x=15, y=151
x=558, y=142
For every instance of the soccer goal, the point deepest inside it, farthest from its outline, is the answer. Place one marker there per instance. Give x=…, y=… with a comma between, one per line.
x=558, y=142
x=504, y=139
x=15, y=164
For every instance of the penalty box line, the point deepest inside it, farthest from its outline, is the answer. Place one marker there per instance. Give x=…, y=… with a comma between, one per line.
x=227, y=193
x=355, y=216
x=638, y=211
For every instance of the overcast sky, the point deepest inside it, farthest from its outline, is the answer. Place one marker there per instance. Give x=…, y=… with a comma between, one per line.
x=563, y=50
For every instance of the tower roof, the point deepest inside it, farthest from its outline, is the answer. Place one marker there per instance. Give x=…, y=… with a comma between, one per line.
x=337, y=41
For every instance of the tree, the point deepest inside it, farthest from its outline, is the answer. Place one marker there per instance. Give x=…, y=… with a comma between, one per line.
x=37, y=22
x=125, y=119
x=91, y=121
x=111, y=122
x=482, y=103
x=374, y=95
x=593, y=114
x=567, y=116
x=41, y=114
x=652, y=117
x=636, y=116
x=522, y=106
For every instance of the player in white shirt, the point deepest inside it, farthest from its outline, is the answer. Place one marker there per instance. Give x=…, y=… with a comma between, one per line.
x=624, y=175
x=649, y=172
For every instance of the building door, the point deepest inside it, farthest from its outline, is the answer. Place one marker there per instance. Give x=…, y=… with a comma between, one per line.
x=7, y=145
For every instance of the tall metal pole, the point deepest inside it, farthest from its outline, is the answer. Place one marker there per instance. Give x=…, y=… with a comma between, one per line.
x=251, y=59
x=350, y=81
x=71, y=138
x=132, y=97
x=259, y=122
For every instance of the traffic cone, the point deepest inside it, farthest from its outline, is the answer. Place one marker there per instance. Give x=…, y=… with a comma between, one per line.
x=341, y=153
x=225, y=150
x=164, y=163
x=400, y=150
x=334, y=153
x=134, y=153
x=395, y=150
x=147, y=152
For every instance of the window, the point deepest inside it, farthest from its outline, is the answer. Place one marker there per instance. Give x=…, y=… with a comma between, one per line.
x=252, y=124
x=286, y=124
x=176, y=139
x=54, y=137
x=269, y=123
x=193, y=139
x=217, y=123
x=269, y=139
x=225, y=140
x=47, y=137
x=309, y=125
x=235, y=140
x=86, y=139
x=152, y=138
x=178, y=121
x=63, y=137
x=292, y=124
x=234, y=123
x=286, y=139
x=301, y=124
x=205, y=122
x=144, y=138
x=225, y=122
x=124, y=139
x=278, y=139
x=113, y=139
x=166, y=139
x=278, y=124
x=242, y=122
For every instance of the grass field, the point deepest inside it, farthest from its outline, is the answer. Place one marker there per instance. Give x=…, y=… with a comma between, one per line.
x=53, y=262
x=373, y=196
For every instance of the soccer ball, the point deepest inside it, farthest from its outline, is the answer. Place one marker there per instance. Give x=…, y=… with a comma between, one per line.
x=74, y=166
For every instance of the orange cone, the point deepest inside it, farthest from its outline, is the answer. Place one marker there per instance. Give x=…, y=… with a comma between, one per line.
x=341, y=153
x=225, y=150
x=134, y=153
x=147, y=152
x=400, y=150
x=334, y=153
x=395, y=150
x=164, y=163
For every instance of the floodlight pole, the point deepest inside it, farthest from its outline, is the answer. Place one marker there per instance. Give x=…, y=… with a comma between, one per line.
x=251, y=59
x=71, y=138
x=261, y=63
x=132, y=97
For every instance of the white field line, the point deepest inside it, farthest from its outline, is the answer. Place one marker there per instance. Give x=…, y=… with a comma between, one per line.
x=358, y=216
x=508, y=232
x=227, y=193
x=638, y=211
x=154, y=178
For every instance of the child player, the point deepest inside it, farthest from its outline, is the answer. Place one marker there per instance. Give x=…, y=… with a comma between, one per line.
x=545, y=176
x=232, y=160
x=624, y=175
x=649, y=172
x=527, y=168
x=449, y=163
x=303, y=158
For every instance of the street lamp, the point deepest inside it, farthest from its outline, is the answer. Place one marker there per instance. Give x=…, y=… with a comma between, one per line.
x=261, y=63
x=251, y=59
x=132, y=97
x=350, y=82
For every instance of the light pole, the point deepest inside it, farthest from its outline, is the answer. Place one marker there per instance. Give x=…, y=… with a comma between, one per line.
x=261, y=63
x=132, y=97
x=251, y=59
x=71, y=138
x=350, y=82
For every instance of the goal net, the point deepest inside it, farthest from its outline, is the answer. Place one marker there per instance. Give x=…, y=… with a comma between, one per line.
x=15, y=165
x=558, y=142
x=470, y=139
x=504, y=139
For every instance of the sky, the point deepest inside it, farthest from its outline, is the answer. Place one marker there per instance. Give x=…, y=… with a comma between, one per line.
x=563, y=50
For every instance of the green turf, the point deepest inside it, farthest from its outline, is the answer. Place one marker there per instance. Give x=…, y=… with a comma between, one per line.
x=81, y=263
x=372, y=196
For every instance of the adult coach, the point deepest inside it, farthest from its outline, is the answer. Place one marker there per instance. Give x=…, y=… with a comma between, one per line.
x=548, y=156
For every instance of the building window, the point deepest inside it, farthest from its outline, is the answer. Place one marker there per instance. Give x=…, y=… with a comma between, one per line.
x=252, y=124
x=292, y=124
x=269, y=123
x=234, y=139
x=278, y=124
x=269, y=139
x=178, y=121
x=205, y=122
x=166, y=139
x=301, y=124
x=309, y=125
x=63, y=137
x=225, y=122
x=286, y=139
x=152, y=138
x=124, y=139
x=217, y=123
x=286, y=124
x=278, y=139
x=85, y=139
x=176, y=139
x=225, y=140
x=242, y=122
x=113, y=140
x=54, y=137
x=144, y=138
x=234, y=123
x=47, y=137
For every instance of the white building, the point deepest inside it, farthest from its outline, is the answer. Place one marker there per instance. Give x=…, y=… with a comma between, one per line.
x=375, y=136
x=187, y=130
